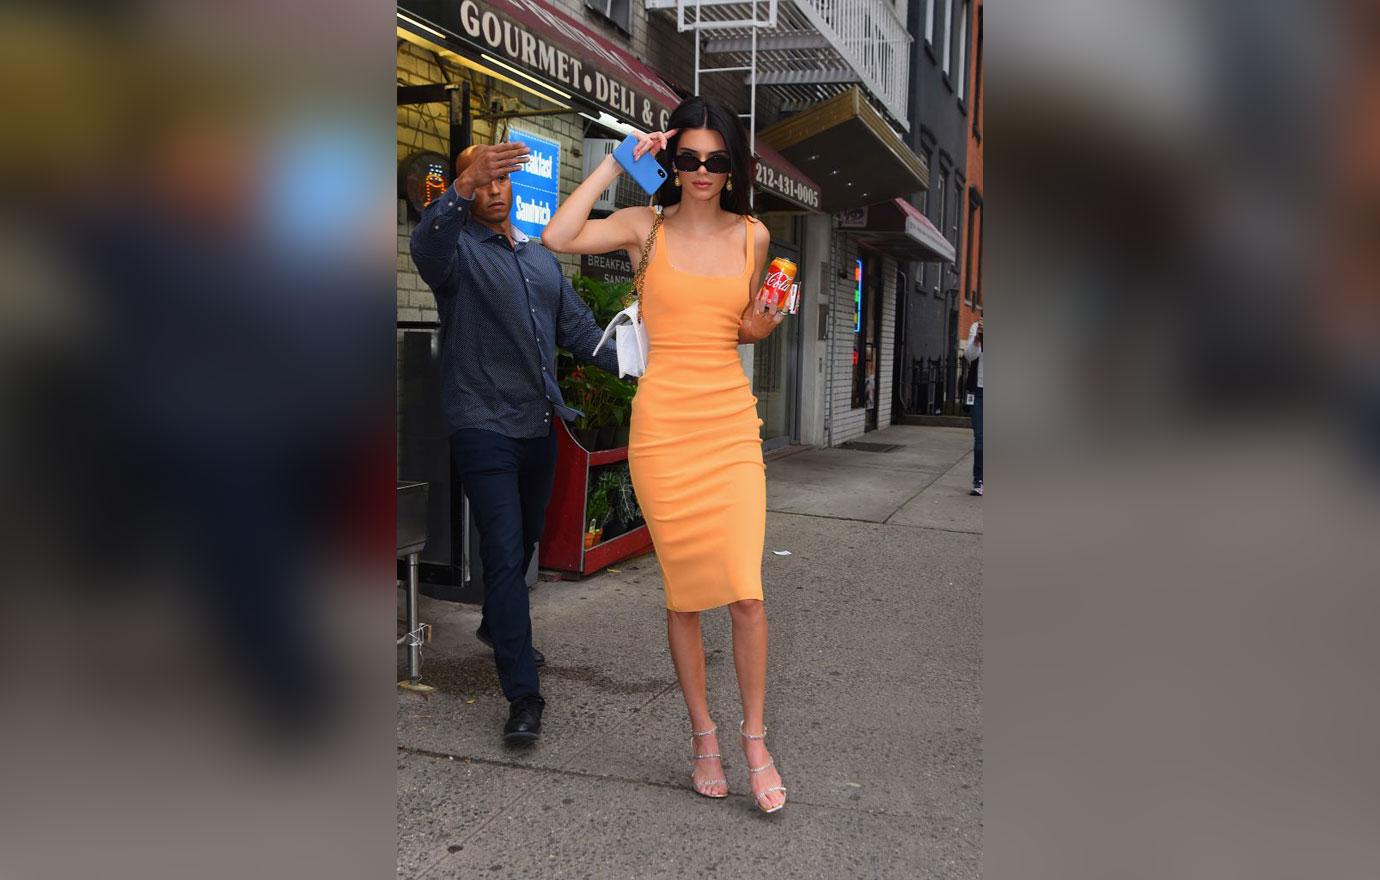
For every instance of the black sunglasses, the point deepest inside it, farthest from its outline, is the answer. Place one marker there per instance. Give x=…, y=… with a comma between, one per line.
x=688, y=162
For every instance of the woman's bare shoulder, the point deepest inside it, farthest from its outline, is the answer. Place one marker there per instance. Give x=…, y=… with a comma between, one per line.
x=759, y=231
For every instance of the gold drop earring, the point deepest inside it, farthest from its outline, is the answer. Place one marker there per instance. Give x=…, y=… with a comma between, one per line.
x=729, y=186
x=677, y=178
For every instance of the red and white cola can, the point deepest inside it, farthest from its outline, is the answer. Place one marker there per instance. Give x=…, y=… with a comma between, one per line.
x=776, y=286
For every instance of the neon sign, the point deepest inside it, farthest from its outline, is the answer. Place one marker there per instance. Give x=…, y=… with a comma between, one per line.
x=424, y=176
x=857, y=297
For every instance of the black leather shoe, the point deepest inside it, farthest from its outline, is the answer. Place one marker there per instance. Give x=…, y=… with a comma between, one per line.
x=537, y=656
x=524, y=720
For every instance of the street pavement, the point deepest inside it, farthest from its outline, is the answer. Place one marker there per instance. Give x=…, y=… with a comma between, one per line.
x=874, y=701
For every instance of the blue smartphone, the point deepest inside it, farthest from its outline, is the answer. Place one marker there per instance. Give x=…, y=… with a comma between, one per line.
x=647, y=171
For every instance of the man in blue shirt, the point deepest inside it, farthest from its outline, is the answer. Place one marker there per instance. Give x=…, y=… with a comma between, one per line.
x=504, y=306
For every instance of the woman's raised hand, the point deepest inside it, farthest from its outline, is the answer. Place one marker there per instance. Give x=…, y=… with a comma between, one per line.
x=652, y=143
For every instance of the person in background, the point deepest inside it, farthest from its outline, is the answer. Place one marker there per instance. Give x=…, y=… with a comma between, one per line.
x=972, y=352
x=504, y=306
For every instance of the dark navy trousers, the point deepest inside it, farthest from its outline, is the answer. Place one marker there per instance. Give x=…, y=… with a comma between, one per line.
x=977, y=437
x=508, y=483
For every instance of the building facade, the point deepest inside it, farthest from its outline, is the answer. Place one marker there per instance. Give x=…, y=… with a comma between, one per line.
x=970, y=309
x=834, y=131
x=930, y=309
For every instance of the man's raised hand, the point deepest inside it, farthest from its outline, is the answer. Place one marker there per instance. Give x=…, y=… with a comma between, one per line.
x=482, y=164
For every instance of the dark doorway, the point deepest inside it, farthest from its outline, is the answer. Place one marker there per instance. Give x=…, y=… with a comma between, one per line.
x=899, y=383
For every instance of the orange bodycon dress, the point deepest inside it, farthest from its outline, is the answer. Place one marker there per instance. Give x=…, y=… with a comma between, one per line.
x=695, y=449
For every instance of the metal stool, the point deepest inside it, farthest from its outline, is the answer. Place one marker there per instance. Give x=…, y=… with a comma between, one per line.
x=412, y=537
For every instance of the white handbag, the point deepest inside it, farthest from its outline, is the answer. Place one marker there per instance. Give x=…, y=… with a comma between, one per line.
x=630, y=341
x=630, y=334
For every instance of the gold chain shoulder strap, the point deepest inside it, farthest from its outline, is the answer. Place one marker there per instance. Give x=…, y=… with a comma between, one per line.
x=640, y=277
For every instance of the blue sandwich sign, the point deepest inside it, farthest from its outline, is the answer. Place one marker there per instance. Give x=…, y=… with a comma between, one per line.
x=536, y=188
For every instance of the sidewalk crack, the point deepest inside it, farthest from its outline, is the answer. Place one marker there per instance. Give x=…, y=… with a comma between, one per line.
x=595, y=737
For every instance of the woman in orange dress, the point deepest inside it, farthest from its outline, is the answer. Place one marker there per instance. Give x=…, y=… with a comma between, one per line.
x=695, y=450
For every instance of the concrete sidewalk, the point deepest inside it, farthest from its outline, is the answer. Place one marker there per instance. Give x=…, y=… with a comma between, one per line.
x=874, y=702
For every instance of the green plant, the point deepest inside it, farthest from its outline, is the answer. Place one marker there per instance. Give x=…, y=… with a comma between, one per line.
x=601, y=499
x=625, y=499
x=603, y=398
x=611, y=398
x=603, y=298
x=574, y=388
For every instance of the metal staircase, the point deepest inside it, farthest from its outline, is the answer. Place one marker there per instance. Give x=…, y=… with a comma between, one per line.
x=806, y=51
x=738, y=23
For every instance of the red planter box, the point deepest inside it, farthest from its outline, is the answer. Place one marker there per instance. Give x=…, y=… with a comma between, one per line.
x=563, y=538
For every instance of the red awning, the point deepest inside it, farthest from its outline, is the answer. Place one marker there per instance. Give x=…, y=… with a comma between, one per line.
x=555, y=48
x=899, y=228
x=919, y=227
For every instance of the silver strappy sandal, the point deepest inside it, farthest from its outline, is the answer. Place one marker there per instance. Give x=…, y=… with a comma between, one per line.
x=767, y=766
x=699, y=786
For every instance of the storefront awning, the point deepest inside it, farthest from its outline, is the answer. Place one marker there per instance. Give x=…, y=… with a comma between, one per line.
x=531, y=40
x=847, y=146
x=897, y=227
x=783, y=186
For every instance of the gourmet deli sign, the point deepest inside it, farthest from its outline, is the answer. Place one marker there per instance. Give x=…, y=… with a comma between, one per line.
x=533, y=36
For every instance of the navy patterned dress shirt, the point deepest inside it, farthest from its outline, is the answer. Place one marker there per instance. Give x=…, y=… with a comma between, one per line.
x=503, y=310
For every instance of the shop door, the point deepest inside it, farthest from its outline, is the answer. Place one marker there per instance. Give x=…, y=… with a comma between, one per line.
x=776, y=371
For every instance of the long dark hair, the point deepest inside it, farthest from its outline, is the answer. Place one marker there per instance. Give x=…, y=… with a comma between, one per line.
x=702, y=112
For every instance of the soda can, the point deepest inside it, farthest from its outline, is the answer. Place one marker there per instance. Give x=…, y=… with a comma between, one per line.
x=776, y=286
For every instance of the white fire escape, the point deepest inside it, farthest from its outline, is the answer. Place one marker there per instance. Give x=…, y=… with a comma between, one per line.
x=805, y=51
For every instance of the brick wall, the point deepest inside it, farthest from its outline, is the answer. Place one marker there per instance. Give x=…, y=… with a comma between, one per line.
x=971, y=255
x=637, y=43
x=656, y=42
